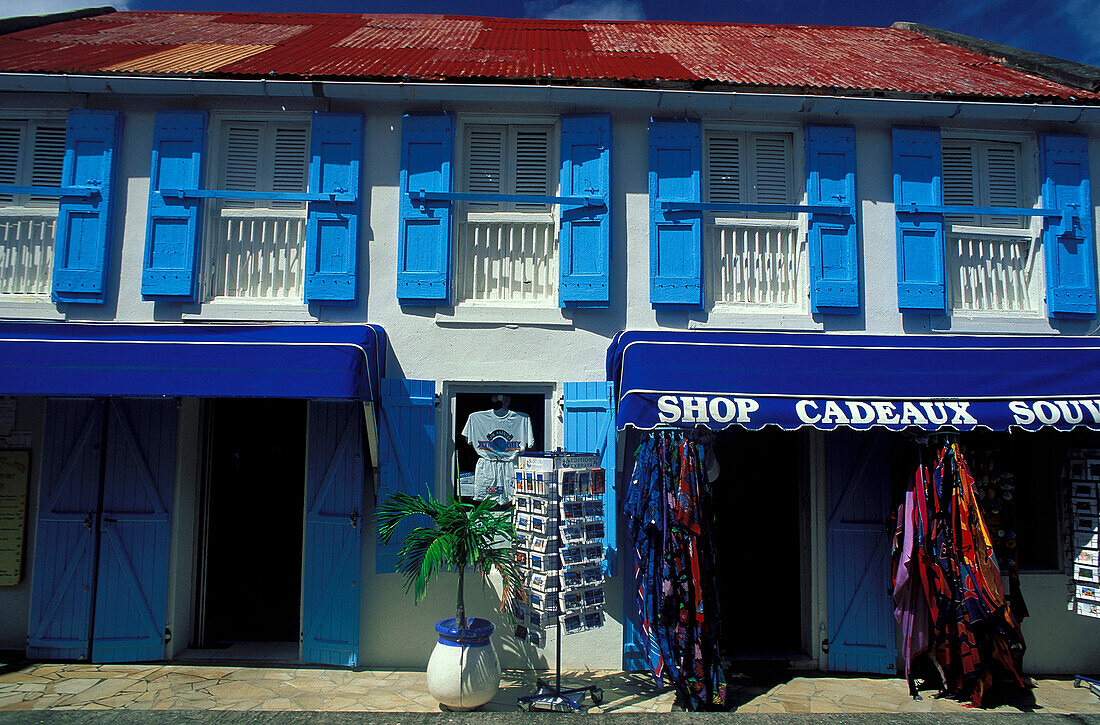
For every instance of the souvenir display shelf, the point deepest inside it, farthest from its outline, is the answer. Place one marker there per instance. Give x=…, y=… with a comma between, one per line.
x=1081, y=508
x=556, y=497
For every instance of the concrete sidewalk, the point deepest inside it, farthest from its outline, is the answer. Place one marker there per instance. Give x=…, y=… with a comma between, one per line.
x=179, y=687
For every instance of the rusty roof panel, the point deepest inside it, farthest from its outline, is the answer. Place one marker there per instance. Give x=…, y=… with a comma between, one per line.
x=173, y=29
x=309, y=19
x=441, y=47
x=513, y=36
x=377, y=62
x=65, y=58
x=185, y=59
x=406, y=32
x=297, y=55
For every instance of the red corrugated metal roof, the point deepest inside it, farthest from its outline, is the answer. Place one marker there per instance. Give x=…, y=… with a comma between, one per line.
x=441, y=47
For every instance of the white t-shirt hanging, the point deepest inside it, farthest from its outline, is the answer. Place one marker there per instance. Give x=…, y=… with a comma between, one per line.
x=498, y=440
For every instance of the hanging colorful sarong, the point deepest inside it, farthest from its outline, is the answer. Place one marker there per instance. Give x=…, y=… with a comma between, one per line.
x=944, y=542
x=668, y=509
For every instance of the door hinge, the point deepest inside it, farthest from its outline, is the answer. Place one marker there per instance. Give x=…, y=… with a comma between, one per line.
x=825, y=646
x=167, y=635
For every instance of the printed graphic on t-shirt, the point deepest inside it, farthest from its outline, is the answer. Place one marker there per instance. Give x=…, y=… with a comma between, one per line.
x=500, y=441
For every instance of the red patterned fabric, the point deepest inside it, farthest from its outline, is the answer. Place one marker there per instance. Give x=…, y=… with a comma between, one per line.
x=975, y=640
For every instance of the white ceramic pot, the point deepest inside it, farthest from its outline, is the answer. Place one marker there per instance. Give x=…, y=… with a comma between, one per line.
x=463, y=671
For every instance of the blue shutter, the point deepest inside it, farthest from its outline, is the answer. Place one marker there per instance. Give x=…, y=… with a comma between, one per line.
x=675, y=238
x=1070, y=255
x=65, y=539
x=918, y=180
x=860, y=609
x=833, y=240
x=84, y=224
x=332, y=227
x=331, y=556
x=585, y=239
x=174, y=227
x=590, y=428
x=424, y=237
x=131, y=599
x=406, y=451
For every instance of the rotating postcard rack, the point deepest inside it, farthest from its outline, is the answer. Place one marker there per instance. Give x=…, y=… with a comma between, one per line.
x=559, y=518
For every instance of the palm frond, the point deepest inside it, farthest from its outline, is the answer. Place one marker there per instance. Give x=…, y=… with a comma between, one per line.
x=399, y=507
x=436, y=557
x=461, y=536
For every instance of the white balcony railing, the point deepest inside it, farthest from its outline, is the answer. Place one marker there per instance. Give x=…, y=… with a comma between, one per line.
x=26, y=253
x=753, y=263
x=258, y=257
x=507, y=261
x=991, y=273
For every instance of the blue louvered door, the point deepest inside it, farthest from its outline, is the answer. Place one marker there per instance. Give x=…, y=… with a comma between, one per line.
x=65, y=539
x=860, y=609
x=331, y=555
x=131, y=596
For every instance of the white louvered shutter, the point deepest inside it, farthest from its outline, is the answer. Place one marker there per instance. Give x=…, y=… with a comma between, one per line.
x=290, y=164
x=532, y=165
x=1002, y=183
x=960, y=172
x=11, y=139
x=243, y=146
x=772, y=168
x=48, y=155
x=724, y=169
x=485, y=163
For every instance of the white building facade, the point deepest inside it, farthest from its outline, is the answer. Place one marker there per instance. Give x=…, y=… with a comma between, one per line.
x=224, y=492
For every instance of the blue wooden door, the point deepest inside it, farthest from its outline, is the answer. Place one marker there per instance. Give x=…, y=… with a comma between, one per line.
x=65, y=538
x=861, y=621
x=331, y=556
x=131, y=597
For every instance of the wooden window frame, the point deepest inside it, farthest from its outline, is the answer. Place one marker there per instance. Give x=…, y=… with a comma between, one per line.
x=215, y=173
x=1028, y=186
x=508, y=211
x=727, y=221
x=23, y=177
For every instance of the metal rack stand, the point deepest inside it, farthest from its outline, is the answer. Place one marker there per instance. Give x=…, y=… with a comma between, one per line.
x=553, y=697
x=1093, y=685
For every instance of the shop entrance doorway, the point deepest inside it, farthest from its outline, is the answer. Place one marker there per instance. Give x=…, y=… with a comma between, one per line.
x=759, y=543
x=250, y=571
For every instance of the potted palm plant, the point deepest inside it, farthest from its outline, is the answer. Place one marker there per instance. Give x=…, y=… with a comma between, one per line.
x=463, y=671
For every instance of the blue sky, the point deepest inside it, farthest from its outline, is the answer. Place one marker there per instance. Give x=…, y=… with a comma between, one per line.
x=1064, y=28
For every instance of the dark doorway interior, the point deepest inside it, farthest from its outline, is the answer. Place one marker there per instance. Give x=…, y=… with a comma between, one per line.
x=758, y=543
x=255, y=489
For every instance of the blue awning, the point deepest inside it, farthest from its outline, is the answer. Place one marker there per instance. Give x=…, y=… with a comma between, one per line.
x=721, y=378
x=200, y=360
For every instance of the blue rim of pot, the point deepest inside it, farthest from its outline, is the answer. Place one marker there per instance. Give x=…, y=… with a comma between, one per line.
x=476, y=634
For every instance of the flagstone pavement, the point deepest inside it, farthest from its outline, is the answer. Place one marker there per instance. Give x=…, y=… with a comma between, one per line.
x=31, y=686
